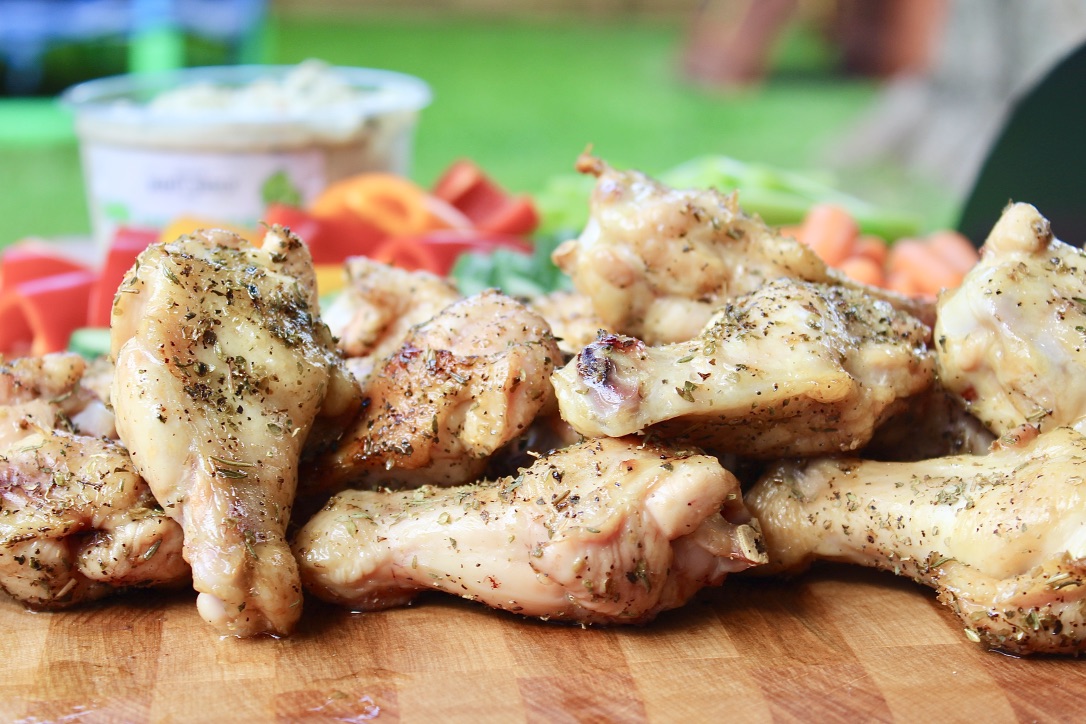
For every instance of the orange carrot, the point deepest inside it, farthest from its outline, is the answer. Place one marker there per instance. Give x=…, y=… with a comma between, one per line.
x=872, y=247
x=954, y=249
x=830, y=231
x=393, y=203
x=903, y=283
x=927, y=270
x=863, y=269
x=794, y=230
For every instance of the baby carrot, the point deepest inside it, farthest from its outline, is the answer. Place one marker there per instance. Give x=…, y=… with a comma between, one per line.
x=872, y=247
x=864, y=270
x=830, y=231
x=927, y=271
x=898, y=282
x=954, y=249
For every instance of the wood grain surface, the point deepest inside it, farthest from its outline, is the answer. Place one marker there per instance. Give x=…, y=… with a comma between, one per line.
x=837, y=644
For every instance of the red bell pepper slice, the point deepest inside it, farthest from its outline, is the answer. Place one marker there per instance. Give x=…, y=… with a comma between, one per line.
x=38, y=316
x=26, y=261
x=484, y=202
x=330, y=239
x=127, y=244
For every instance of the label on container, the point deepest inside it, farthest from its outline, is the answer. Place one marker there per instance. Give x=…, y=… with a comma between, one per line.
x=145, y=188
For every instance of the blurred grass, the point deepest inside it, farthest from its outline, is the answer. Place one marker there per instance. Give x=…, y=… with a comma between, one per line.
x=523, y=100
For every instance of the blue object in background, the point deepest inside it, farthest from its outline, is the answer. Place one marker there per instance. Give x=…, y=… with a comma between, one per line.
x=48, y=45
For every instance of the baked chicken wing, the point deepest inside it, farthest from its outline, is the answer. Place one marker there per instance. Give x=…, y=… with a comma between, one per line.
x=76, y=521
x=222, y=370
x=1011, y=340
x=379, y=305
x=605, y=531
x=1001, y=537
x=657, y=262
x=461, y=386
x=791, y=369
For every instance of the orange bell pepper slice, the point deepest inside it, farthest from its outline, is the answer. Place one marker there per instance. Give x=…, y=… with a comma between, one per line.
x=390, y=202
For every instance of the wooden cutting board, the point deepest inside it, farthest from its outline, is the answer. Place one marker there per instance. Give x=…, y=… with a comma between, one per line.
x=837, y=644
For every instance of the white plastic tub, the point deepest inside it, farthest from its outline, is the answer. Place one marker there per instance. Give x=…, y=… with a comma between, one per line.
x=218, y=142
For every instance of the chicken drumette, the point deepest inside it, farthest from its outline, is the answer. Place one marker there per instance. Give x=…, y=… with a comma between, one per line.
x=791, y=369
x=1011, y=341
x=222, y=370
x=1001, y=537
x=605, y=531
x=463, y=384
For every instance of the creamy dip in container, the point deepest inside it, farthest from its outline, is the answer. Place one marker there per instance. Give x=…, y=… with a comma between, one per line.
x=221, y=142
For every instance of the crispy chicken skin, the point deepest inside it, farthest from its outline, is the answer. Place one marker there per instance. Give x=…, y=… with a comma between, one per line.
x=605, y=531
x=222, y=371
x=463, y=384
x=1011, y=340
x=657, y=262
x=380, y=304
x=1001, y=537
x=791, y=369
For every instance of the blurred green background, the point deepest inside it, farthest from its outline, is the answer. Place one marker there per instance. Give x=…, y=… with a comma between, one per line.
x=523, y=97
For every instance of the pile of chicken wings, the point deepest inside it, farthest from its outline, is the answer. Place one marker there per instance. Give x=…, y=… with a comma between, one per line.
x=710, y=399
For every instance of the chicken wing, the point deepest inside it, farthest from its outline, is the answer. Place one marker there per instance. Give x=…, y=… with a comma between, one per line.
x=1011, y=341
x=462, y=385
x=380, y=304
x=1001, y=537
x=222, y=370
x=51, y=391
x=657, y=262
x=791, y=369
x=606, y=531
x=77, y=522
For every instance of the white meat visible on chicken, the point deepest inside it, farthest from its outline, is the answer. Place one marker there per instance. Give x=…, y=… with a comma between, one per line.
x=791, y=369
x=1001, y=537
x=462, y=385
x=222, y=370
x=606, y=531
x=1011, y=340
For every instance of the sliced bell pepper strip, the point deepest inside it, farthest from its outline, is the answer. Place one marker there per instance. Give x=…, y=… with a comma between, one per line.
x=25, y=261
x=38, y=316
x=392, y=203
x=127, y=244
x=484, y=202
x=330, y=239
x=517, y=216
x=458, y=180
